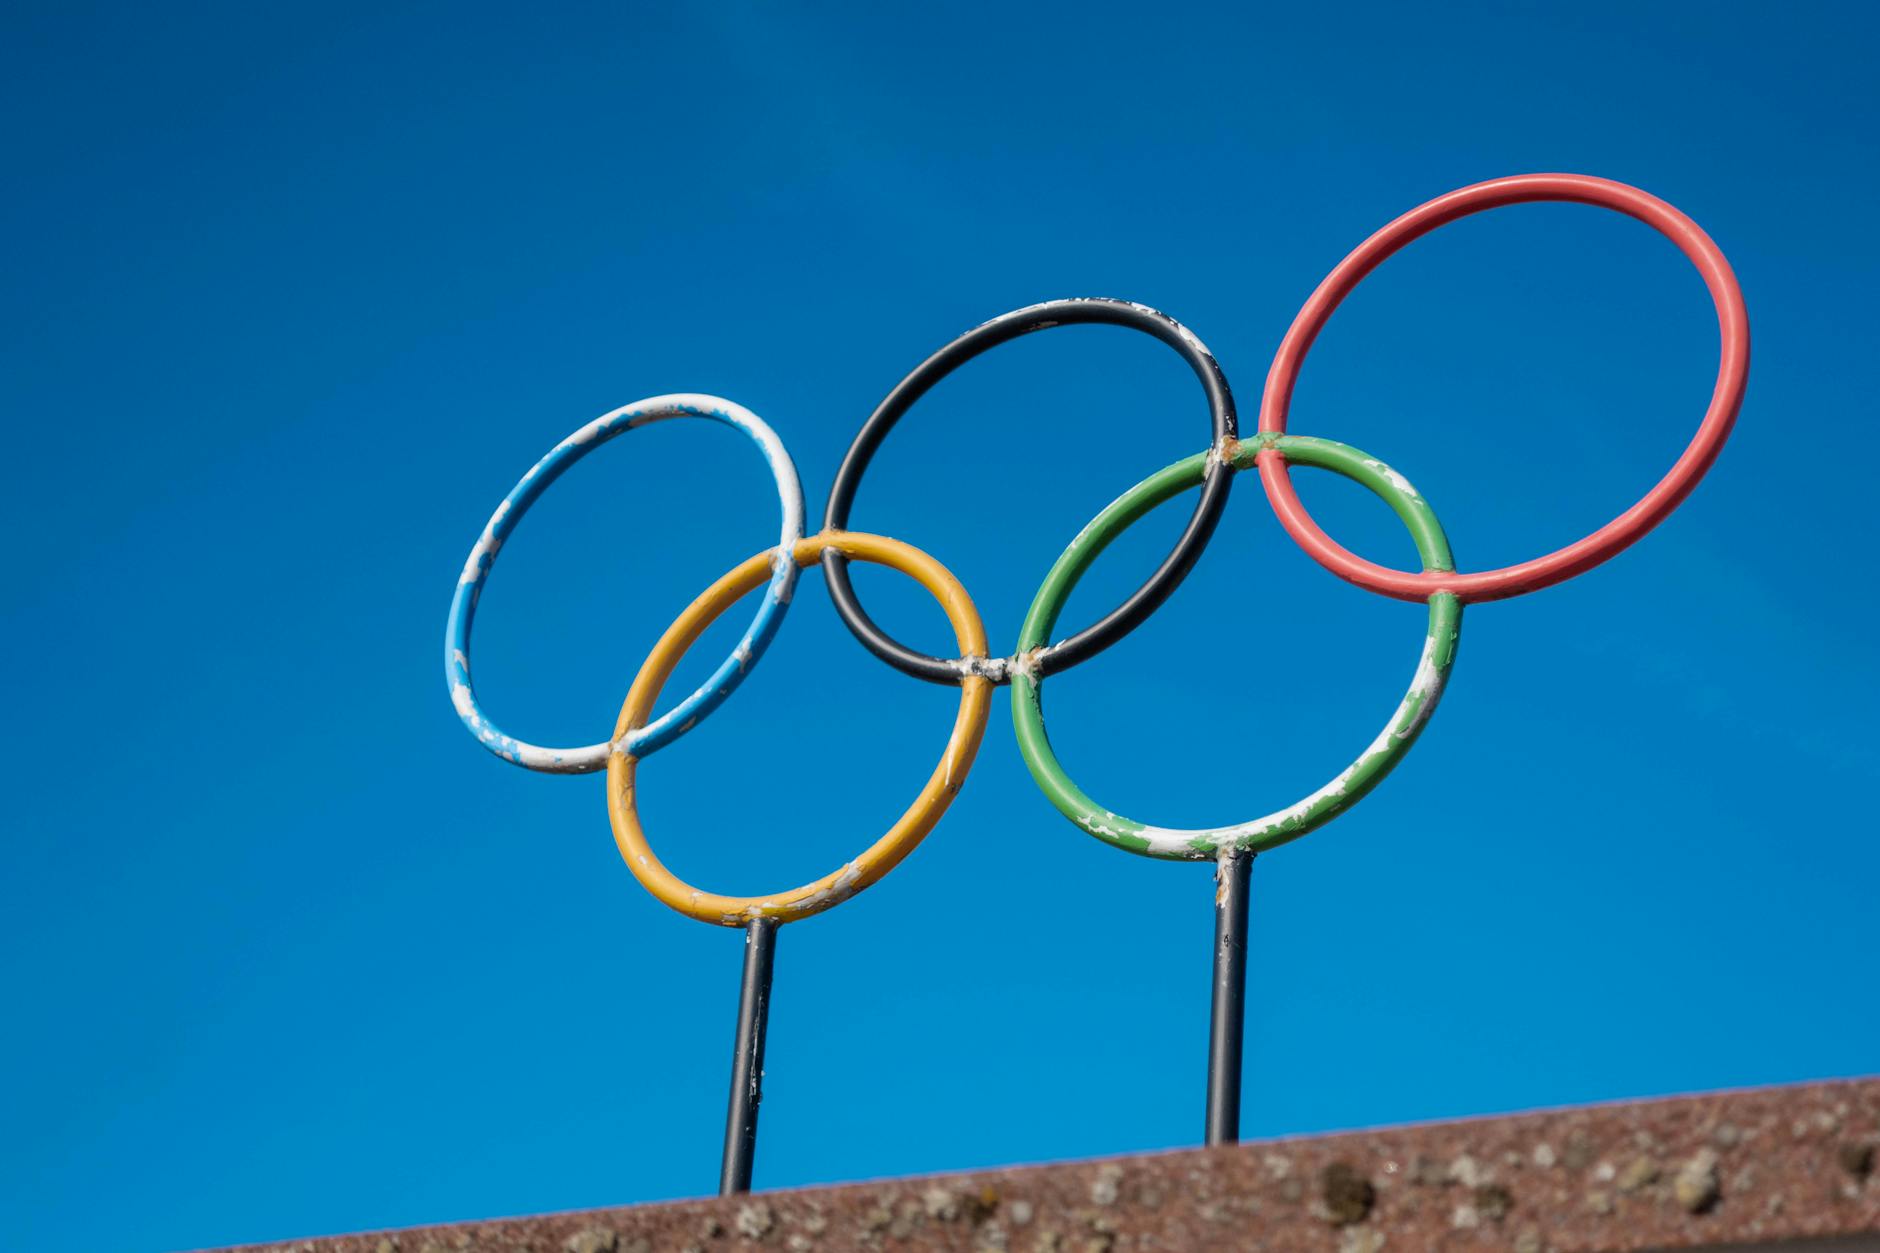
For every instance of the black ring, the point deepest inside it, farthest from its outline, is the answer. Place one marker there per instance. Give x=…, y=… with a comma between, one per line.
x=1144, y=601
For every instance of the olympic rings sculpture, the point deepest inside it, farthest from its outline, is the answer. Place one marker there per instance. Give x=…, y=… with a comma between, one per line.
x=1272, y=451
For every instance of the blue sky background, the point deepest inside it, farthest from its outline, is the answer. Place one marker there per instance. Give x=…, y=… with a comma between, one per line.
x=297, y=292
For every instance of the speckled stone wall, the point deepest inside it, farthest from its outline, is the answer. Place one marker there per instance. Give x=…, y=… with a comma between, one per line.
x=1777, y=1168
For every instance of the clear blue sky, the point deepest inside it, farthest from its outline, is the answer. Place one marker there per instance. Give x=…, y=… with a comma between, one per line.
x=295, y=293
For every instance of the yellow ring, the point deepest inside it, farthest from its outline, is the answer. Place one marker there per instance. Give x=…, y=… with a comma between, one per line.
x=909, y=830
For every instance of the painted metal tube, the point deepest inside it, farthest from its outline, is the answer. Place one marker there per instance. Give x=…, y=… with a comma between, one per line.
x=969, y=726
x=1347, y=787
x=658, y=732
x=1144, y=600
x=747, y=1057
x=1726, y=396
x=1228, y=1019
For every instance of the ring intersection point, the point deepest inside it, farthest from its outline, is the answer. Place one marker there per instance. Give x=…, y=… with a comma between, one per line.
x=969, y=726
x=1351, y=784
x=730, y=672
x=1002, y=329
x=1582, y=555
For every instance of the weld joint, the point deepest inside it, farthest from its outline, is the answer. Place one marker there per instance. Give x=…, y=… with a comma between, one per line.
x=1222, y=455
x=994, y=668
x=1029, y=663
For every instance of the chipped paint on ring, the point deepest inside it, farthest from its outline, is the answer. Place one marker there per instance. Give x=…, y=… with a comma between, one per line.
x=1006, y=327
x=710, y=694
x=1351, y=784
x=969, y=727
x=1726, y=397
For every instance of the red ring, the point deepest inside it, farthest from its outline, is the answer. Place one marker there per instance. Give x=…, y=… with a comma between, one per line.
x=1575, y=558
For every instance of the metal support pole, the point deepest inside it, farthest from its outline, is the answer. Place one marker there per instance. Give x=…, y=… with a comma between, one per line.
x=747, y=1062
x=1230, y=997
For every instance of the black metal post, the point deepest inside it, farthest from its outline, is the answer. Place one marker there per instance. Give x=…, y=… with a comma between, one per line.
x=747, y=1062
x=1230, y=997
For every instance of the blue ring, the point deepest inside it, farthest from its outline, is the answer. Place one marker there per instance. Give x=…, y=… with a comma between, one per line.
x=684, y=716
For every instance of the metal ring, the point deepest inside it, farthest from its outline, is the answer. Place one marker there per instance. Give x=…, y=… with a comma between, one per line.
x=1576, y=558
x=1144, y=601
x=1351, y=784
x=730, y=673
x=886, y=853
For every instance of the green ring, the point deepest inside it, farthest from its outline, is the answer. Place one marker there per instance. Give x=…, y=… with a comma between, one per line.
x=1426, y=688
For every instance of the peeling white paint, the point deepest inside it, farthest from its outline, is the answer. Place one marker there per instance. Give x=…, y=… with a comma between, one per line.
x=484, y=551
x=507, y=516
x=1411, y=713
x=993, y=668
x=1027, y=663
x=1397, y=480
